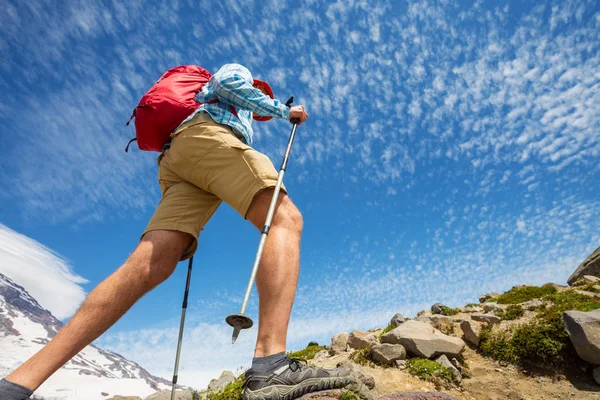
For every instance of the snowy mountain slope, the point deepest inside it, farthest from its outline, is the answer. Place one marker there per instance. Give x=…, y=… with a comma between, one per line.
x=92, y=374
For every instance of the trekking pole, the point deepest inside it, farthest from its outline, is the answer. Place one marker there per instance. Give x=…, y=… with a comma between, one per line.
x=241, y=321
x=183, y=310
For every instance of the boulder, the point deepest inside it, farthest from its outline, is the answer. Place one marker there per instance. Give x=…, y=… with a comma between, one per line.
x=440, y=322
x=493, y=307
x=225, y=379
x=422, y=340
x=596, y=374
x=166, y=395
x=591, y=266
x=387, y=354
x=339, y=343
x=486, y=297
x=444, y=362
x=490, y=319
x=321, y=355
x=584, y=331
x=359, y=340
x=470, y=310
x=437, y=308
x=471, y=330
x=590, y=279
x=397, y=319
x=424, y=312
x=595, y=296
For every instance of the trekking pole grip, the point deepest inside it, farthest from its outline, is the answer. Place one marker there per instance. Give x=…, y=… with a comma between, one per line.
x=288, y=103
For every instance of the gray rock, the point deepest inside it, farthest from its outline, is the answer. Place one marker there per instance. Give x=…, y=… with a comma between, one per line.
x=359, y=375
x=493, y=307
x=490, y=319
x=225, y=379
x=591, y=266
x=590, y=279
x=359, y=340
x=596, y=374
x=424, y=312
x=422, y=340
x=471, y=329
x=321, y=355
x=470, y=310
x=387, y=354
x=486, y=297
x=584, y=331
x=166, y=395
x=401, y=364
x=437, y=308
x=339, y=343
x=444, y=362
x=595, y=296
x=440, y=322
x=397, y=319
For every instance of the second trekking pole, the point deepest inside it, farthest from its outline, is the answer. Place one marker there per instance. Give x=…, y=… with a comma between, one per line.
x=183, y=310
x=241, y=321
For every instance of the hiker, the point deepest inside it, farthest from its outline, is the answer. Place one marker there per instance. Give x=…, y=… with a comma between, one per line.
x=210, y=160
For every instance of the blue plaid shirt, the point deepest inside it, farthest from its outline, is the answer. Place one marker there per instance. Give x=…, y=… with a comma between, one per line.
x=233, y=86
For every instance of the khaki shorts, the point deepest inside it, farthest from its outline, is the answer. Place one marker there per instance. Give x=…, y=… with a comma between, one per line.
x=206, y=164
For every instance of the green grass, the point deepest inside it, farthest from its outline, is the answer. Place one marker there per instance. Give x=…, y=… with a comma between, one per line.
x=362, y=357
x=521, y=295
x=543, y=342
x=349, y=395
x=386, y=330
x=306, y=354
x=512, y=312
x=232, y=391
x=473, y=305
x=449, y=311
x=429, y=371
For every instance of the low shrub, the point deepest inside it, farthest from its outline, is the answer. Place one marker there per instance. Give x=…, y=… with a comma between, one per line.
x=543, y=342
x=230, y=392
x=512, y=312
x=449, y=311
x=430, y=371
x=362, y=357
x=308, y=353
x=526, y=293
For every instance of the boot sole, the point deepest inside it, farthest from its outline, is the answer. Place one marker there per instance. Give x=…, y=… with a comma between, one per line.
x=290, y=392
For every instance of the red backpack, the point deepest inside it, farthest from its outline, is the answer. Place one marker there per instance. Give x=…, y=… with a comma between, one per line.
x=168, y=102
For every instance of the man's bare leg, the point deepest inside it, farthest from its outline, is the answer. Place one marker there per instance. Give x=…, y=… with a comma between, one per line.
x=152, y=262
x=277, y=275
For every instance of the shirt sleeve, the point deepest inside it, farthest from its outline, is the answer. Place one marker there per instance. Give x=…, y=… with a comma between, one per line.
x=232, y=88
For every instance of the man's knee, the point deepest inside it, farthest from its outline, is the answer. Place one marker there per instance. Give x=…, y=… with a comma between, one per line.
x=157, y=255
x=286, y=213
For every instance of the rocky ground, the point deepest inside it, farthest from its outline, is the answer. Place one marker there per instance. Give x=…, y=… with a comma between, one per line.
x=528, y=343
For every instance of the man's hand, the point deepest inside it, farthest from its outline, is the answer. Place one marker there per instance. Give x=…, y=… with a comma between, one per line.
x=298, y=112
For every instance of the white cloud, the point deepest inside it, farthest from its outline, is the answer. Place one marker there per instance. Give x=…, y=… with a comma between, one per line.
x=42, y=272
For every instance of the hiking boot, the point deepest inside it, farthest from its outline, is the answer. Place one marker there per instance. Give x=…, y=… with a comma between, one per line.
x=292, y=380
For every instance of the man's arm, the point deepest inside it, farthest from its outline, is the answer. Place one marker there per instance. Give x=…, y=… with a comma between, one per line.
x=234, y=89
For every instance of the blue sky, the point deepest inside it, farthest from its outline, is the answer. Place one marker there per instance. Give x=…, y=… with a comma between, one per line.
x=451, y=150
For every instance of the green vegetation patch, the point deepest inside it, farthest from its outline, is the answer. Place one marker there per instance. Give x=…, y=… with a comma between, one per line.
x=429, y=371
x=308, y=353
x=473, y=305
x=543, y=342
x=526, y=293
x=362, y=357
x=390, y=327
x=349, y=395
x=512, y=312
x=449, y=311
x=231, y=392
